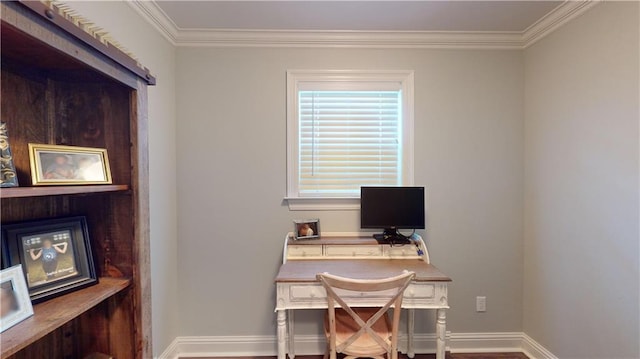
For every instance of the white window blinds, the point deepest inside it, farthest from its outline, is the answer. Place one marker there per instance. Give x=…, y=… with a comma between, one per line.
x=347, y=129
x=348, y=139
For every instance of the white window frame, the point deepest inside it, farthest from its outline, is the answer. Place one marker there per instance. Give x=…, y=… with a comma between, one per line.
x=333, y=79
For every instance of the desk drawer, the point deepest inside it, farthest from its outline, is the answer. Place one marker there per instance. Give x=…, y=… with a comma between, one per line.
x=317, y=292
x=420, y=291
x=306, y=292
x=353, y=251
x=406, y=251
x=304, y=251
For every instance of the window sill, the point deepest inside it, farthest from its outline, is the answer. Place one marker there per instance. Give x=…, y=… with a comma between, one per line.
x=323, y=204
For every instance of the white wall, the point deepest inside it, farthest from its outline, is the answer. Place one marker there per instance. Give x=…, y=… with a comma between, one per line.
x=159, y=56
x=581, y=279
x=232, y=157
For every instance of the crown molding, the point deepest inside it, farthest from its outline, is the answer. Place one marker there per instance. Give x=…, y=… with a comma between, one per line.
x=565, y=12
x=559, y=16
x=347, y=39
x=154, y=15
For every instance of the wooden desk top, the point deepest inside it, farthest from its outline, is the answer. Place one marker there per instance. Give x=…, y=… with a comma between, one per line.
x=306, y=270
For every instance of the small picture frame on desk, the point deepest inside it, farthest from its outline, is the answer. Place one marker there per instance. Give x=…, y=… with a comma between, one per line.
x=306, y=229
x=15, y=305
x=55, y=255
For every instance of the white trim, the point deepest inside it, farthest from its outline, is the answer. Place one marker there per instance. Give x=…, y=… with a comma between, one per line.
x=561, y=15
x=235, y=346
x=534, y=350
x=516, y=40
x=172, y=351
x=349, y=39
x=322, y=204
x=497, y=342
x=154, y=15
x=402, y=79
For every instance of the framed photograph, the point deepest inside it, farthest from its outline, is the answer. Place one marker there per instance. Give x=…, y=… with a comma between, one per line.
x=55, y=255
x=8, y=175
x=15, y=305
x=306, y=228
x=65, y=165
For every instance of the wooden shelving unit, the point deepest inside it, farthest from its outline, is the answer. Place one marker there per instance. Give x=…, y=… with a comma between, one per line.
x=53, y=314
x=61, y=86
x=23, y=192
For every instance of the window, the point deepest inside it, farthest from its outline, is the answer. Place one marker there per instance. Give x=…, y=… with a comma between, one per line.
x=347, y=129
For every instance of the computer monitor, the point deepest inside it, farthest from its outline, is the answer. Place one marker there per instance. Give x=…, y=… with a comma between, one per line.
x=391, y=209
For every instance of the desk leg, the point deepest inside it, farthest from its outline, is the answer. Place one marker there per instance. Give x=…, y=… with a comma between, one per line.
x=410, y=329
x=441, y=332
x=292, y=345
x=282, y=334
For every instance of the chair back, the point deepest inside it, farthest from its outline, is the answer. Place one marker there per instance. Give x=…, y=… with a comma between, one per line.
x=396, y=285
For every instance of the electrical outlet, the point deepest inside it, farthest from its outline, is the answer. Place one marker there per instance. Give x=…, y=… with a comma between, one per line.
x=481, y=304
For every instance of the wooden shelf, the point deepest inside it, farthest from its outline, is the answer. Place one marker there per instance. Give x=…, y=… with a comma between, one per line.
x=23, y=192
x=52, y=314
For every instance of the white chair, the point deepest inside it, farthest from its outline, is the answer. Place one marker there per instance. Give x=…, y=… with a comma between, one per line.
x=363, y=332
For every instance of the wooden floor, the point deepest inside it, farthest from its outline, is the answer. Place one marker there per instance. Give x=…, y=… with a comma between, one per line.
x=418, y=356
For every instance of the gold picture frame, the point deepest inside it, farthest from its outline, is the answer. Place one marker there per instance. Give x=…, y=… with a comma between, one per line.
x=68, y=165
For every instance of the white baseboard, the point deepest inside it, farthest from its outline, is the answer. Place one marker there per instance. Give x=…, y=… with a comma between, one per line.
x=172, y=351
x=534, y=350
x=500, y=342
x=235, y=346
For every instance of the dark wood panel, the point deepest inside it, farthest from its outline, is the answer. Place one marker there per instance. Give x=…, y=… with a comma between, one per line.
x=75, y=339
x=23, y=108
x=51, y=344
x=121, y=330
x=94, y=324
x=23, y=209
x=121, y=235
x=96, y=115
x=55, y=313
x=109, y=219
x=23, y=50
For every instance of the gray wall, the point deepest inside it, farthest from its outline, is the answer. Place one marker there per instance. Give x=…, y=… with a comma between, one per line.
x=124, y=25
x=574, y=121
x=232, y=166
x=581, y=186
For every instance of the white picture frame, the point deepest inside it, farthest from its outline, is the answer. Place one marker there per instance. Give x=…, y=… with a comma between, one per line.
x=15, y=304
x=306, y=229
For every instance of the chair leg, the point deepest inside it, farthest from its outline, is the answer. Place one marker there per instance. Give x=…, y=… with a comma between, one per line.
x=326, y=353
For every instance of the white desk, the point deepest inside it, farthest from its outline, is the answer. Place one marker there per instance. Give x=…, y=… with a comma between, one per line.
x=362, y=258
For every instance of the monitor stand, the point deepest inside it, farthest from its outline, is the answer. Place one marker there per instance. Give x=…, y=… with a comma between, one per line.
x=391, y=236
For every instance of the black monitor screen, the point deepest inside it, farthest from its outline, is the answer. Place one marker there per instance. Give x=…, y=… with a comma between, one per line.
x=392, y=207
